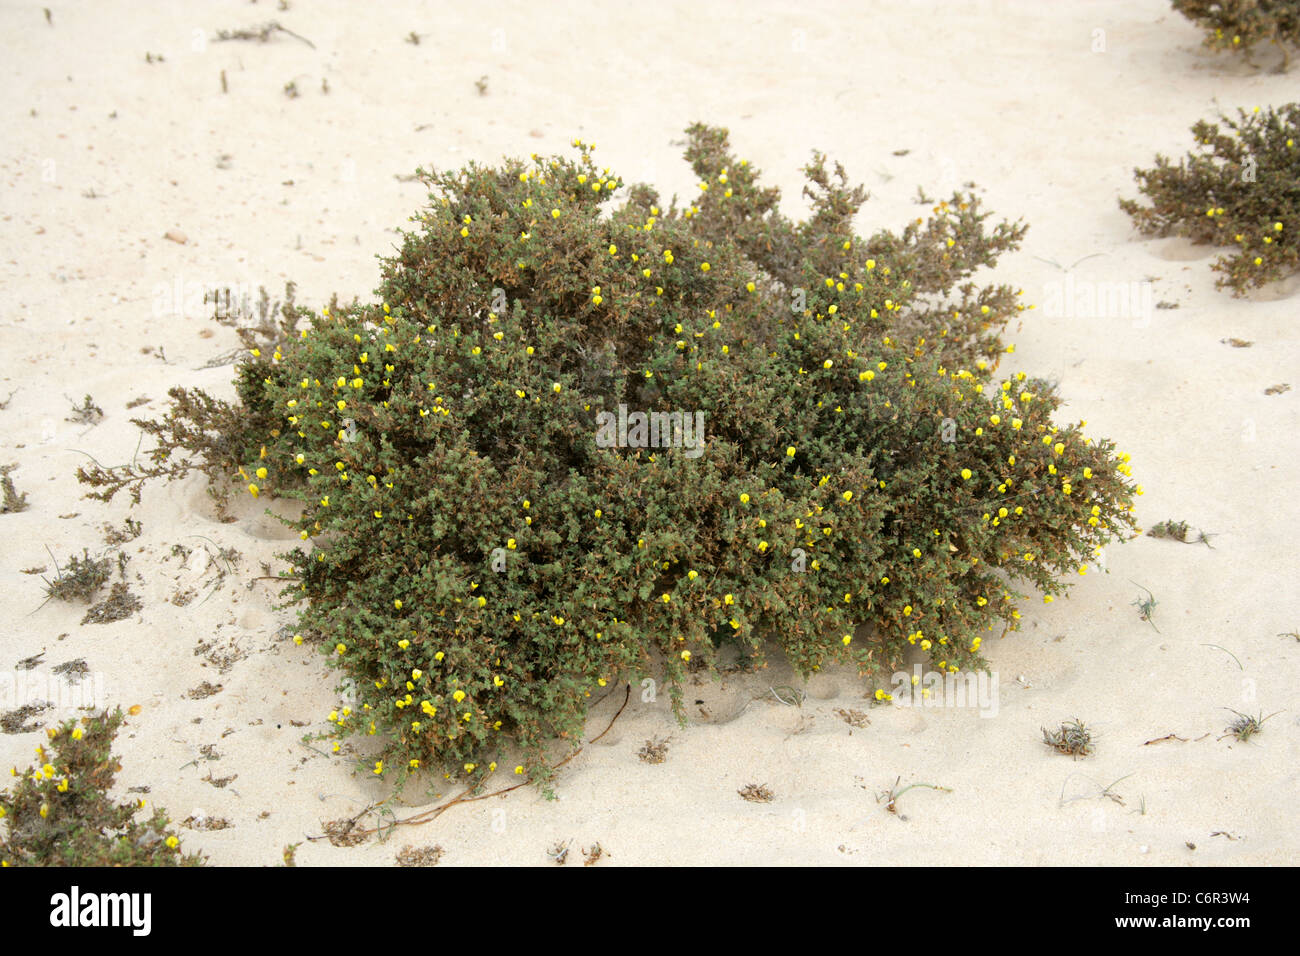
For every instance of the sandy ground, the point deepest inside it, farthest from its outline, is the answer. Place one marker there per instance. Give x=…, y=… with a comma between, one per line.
x=104, y=153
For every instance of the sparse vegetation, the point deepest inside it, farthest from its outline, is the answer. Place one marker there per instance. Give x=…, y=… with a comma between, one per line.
x=80, y=580
x=10, y=500
x=1072, y=738
x=891, y=795
x=1247, y=726
x=1146, y=607
x=87, y=413
x=59, y=813
x=756, y=793
x=654, y=751
x=119, y=605
x=422, y=856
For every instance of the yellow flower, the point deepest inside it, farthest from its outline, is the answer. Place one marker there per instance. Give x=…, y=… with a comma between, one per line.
x=458, y=696
x=379, y=767
x=789, y=452
x=965, y=474
x=172, y=842
x=686, y=655
x=340, y=648
x=744, y=498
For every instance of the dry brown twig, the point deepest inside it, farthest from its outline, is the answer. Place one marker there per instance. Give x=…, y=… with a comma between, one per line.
x=464, y=796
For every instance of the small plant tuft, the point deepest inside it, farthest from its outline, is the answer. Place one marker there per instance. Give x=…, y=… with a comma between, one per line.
x=1146, y=607
x=1246, y=725
x=1072, y=738
x=756, y=793
x=10, y=499
x=80, y=580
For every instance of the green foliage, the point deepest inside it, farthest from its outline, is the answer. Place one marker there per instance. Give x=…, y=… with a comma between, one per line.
x=1240, y=188
x=1240, y=25
x=481, y=565
x=219, y=435
x=60, y=814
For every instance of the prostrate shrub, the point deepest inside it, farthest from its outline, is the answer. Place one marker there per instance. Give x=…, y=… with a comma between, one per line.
x=1241, y=25
x=491, y=536
x=1240, y=188
x=60, y=814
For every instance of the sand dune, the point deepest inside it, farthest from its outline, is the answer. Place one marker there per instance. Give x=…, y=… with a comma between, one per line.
x=118, y=132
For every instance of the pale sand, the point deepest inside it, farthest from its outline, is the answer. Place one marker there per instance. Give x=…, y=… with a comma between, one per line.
x=1014, y=100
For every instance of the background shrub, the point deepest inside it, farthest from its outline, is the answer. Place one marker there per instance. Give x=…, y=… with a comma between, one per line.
x=481, y=566
x=1241, y=187
x=59, y=813
x=1240, y=25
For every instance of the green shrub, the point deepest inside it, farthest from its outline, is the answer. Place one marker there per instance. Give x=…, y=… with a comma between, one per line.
x=481, y=562
x=1240, y=188
x=60, y=814
x=1240, y=25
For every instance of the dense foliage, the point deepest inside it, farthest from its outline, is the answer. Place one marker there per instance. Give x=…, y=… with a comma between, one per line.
x=482, y=551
